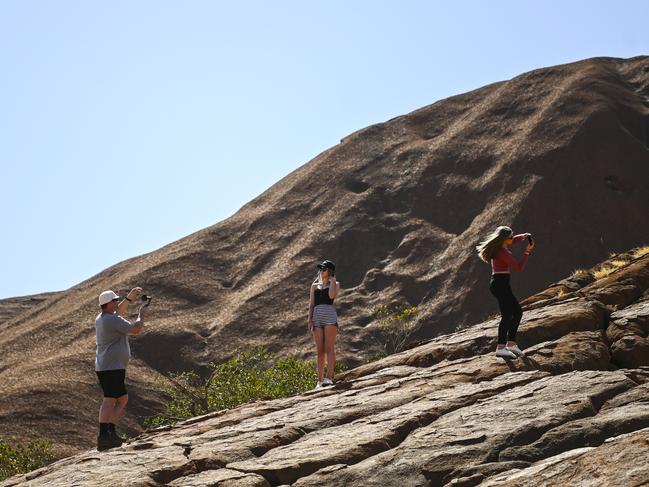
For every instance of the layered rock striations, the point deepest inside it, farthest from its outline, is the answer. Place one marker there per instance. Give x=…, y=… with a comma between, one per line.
x=573, y=411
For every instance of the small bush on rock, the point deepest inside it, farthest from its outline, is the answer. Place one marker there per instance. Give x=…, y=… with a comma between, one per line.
x=395, y=325
x=249, y=376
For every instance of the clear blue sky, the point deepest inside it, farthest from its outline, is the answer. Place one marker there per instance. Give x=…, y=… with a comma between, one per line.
x=126, y=125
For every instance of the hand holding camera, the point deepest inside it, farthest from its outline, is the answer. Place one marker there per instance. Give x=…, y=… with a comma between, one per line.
x=134, y=293
x=530, y=245
x=143, y=311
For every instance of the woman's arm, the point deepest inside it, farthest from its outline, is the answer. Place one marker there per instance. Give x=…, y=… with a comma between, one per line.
x=333, y=290
x=311, y=306
x=519, y=238
x=511, y=262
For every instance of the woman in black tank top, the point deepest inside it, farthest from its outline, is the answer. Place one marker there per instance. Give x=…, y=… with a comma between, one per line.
x=322, y=296
x=323, y=320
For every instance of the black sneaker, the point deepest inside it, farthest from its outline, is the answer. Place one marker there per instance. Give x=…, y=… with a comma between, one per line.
x=105, y=442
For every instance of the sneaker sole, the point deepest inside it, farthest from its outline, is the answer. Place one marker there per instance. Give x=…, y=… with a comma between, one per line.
x=521, y=354
x=507, y=356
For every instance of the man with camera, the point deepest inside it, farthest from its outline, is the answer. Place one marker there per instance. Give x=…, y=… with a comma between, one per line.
x=113, y=353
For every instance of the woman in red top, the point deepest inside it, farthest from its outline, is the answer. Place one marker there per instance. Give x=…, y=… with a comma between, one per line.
x=495, y=249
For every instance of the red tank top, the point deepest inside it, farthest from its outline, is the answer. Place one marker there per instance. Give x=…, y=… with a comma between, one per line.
x=504, y=261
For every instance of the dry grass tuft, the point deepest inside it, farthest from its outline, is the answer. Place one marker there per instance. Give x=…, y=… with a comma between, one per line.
x=610, y=268
x=579, y=273
x=640, y=252
x=603, y=272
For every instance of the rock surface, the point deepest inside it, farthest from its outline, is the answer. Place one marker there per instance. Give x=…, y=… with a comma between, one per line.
x=619, y=461
x=445, y=413
x=628, y=334
x=560, y=152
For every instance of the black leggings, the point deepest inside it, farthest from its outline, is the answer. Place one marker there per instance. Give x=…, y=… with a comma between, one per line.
x=510, y=310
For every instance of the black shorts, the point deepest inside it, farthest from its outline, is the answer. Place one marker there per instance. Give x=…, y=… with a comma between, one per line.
x=112, y=382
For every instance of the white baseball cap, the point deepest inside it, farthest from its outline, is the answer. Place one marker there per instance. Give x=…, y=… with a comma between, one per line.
x=106, y=297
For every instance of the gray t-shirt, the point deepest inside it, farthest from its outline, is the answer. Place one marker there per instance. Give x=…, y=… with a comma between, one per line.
x=113, y=350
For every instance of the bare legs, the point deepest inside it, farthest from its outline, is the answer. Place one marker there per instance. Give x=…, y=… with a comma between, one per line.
x=330, y=332
x=112, y=409
x=319, y=338
x=325, y=341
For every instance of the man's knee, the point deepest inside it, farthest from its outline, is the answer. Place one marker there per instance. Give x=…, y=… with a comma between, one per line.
x=122, y=400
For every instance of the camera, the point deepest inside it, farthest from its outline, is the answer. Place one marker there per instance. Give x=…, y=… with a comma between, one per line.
x=147, y=298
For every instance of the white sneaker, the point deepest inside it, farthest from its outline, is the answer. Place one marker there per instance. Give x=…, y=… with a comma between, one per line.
x=327, y=382
x=318, y=386
x=516, y=350
x=504, y=353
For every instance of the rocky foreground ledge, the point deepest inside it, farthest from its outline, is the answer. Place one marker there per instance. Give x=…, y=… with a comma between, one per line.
x=574, y=411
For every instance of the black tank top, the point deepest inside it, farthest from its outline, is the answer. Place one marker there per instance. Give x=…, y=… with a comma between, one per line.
x=322, y=296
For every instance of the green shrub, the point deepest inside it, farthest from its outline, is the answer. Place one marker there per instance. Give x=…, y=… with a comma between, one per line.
x=395, y=325
x=249, y=376
x=23, y=458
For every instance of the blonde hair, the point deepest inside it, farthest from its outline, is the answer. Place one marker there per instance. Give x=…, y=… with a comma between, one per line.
x=318, y=280
x=493, y=243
